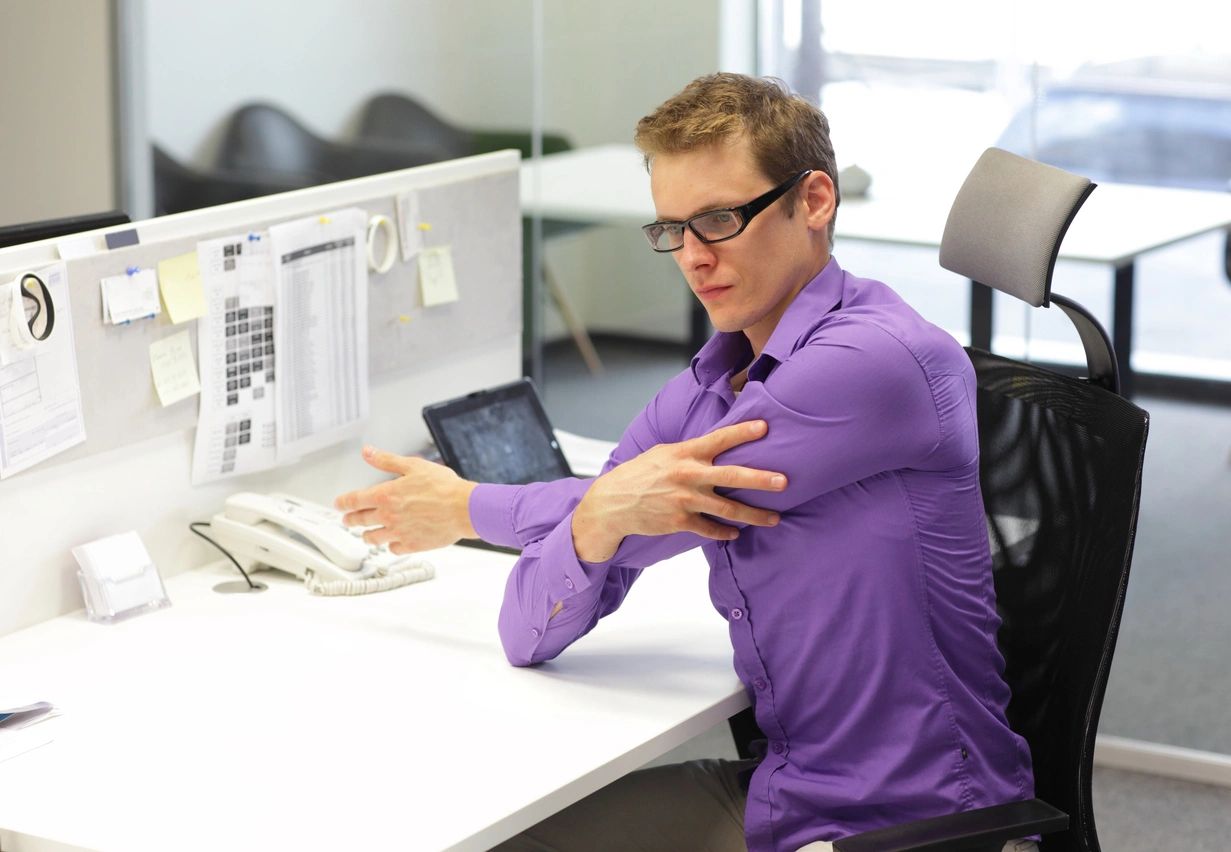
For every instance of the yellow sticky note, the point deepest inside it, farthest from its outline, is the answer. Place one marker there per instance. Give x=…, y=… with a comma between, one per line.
x=436, y=281
x=180, y=282
x=175, y=371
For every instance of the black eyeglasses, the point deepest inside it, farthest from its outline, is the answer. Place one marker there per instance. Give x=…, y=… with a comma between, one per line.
x=714, y=226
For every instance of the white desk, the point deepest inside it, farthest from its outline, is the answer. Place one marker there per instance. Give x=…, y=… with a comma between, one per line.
x=389, y=721
x=1117, y=224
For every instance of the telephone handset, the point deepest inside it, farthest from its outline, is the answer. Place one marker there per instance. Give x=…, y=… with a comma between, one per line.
x=311, y=542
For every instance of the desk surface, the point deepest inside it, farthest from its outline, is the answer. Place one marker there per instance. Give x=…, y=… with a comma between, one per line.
x=287, y=721
x=1117, y=223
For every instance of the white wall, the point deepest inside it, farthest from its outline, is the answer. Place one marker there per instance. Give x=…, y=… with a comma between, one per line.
x=604, y=66
x=317, y=59
x=57, y=137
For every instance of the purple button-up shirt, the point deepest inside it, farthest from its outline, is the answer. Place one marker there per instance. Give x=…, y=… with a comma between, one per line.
x=864, y=623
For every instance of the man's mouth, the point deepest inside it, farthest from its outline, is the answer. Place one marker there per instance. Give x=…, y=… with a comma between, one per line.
x=706, y=294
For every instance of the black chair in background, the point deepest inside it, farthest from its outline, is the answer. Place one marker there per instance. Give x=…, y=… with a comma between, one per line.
x=397, y=119
x=270, y=144
x=178, y=187
x=1061, y=477
x=265, y=150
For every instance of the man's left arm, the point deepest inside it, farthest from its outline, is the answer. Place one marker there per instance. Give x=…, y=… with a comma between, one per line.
x=850, y=404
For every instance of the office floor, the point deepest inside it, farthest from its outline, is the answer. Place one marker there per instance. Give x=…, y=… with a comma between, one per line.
x=1171, y=680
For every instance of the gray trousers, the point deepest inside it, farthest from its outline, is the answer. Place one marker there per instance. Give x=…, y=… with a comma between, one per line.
x=696, y=806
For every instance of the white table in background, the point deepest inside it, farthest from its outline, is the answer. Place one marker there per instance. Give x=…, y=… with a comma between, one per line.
x=1117, y=224
x=389, y=721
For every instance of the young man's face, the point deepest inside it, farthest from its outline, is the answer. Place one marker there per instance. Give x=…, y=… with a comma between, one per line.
x=747, y=282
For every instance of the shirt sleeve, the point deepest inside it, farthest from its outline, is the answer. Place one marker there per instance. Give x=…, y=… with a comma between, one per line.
x=850, y=404
x=549, y=572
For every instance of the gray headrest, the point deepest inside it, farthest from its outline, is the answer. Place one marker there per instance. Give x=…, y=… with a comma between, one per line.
x=1006, y=224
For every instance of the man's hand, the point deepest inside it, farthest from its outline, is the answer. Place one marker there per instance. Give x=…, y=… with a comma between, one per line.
x=667, y=489
x=426, y=507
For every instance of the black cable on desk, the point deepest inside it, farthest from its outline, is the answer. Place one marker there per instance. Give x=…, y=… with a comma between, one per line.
x=193, y=527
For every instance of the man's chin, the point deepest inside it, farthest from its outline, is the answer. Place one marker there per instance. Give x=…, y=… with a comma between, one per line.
x=724, y=322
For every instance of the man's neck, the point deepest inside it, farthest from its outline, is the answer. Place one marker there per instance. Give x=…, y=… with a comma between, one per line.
x=759, y=334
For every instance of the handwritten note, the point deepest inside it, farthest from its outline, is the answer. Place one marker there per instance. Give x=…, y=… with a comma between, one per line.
x=179, y=278
x=175, y=371
x=436, y=281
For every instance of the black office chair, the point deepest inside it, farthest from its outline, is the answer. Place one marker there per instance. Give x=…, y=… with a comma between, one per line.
x=264, y=142
x=1061, y=478
x=178, y=187
x=392, y=118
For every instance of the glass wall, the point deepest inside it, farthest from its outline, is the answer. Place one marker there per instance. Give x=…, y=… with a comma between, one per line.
x=1124, y=93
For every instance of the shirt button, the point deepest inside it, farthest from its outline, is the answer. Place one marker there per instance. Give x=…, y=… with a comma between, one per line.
x=737, y=613
x=534, y=631
x=777, y=747
x=760, y=683
x=568, y=583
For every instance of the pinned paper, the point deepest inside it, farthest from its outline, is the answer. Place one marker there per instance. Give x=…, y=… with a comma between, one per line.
x=179, y=278
x=133, y=295
x=409, y=234
x=175, y=371
x=436, y=281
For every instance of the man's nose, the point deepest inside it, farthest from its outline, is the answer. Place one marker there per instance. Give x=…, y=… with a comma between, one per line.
x=694, y=252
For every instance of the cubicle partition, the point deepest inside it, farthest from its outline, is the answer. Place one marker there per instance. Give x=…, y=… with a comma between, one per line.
x=133, y=471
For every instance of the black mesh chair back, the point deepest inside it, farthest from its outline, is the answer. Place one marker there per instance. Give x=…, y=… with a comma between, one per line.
x=1060, y=470
x=1061, y=479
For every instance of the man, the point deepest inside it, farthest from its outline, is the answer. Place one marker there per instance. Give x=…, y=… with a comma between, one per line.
x=822, y=450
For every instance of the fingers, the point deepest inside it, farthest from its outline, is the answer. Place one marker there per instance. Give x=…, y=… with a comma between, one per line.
x=740, y=513
x=356, y=501
x=712, y=529
x=723, y=439
x=732, y=476
x=360, y=518
x=387, y=462
x=381, y=535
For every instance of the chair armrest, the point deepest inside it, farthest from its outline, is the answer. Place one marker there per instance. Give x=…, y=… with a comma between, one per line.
x=983, y=828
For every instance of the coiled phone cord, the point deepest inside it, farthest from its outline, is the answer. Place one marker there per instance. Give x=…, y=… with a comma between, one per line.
x=382, y=581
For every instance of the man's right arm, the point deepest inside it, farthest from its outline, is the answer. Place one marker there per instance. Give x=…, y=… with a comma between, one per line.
x=649, y=507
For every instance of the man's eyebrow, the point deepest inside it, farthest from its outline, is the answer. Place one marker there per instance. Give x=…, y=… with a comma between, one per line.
x=705, y=208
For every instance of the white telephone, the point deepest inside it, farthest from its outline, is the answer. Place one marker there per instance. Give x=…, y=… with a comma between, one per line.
x=311, y=542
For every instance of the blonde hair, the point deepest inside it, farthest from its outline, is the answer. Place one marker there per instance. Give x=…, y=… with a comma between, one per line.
x=786, y=133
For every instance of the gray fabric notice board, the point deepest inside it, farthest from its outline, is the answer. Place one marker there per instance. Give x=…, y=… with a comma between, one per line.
x=471, y=205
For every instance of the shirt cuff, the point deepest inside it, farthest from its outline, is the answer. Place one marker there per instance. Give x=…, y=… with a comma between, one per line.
x=574, y=575
x=491, y=513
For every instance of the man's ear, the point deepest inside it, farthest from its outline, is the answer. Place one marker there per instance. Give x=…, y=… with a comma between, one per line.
x=817, y=194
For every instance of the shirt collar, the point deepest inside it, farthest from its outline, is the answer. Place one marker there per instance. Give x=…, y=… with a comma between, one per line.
x=725, y=352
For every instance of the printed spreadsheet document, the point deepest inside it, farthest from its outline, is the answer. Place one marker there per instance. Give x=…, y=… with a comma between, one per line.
x=321, y=329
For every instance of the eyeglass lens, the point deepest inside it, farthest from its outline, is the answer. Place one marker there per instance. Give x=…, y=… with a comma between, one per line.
x=710, y=227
